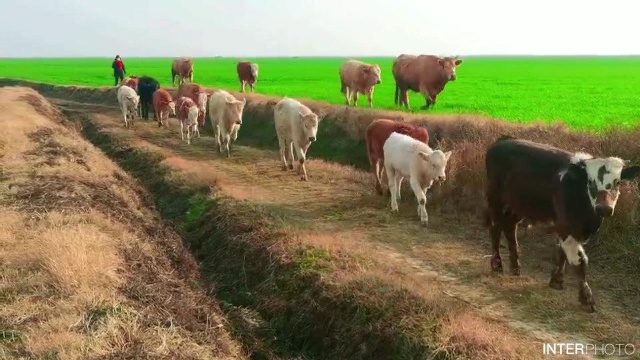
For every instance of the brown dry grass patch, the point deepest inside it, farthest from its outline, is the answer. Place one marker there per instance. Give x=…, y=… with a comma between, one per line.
x=88, y=271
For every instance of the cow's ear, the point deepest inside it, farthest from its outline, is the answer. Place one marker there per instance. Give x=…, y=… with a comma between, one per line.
x=447, y=155
x=575, y=171
x=458, y=62
x=423, y=155
x=629, y=173
x=440, y=62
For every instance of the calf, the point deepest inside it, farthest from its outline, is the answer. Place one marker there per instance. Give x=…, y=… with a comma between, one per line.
x=545, y=184
x=297, y=126
x=377, y=133
x=248, y=74
x=196, y=93
x=163, y=106
x=182, y=68
x=187, y=113
x=128, y=101
x=358, y=77
x=146, y=87
x=407, y=157
x=225, y=112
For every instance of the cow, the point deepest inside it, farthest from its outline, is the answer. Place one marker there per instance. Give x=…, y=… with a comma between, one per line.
x=427, y=74
x=181, y=68
x=225, y=112
x=163, y=106
x=128, y=101
x=248, y=74
x=198, y=94
x=187, y=112
x=296, y=128
x=546, y=184
x=146, y=87
x=377, y=133
x=404, y=157
x=358, y=77
x=131, y=82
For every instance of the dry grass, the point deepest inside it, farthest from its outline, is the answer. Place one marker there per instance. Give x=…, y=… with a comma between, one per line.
x=87, y=270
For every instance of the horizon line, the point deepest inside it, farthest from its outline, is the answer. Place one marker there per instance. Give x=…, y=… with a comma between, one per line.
x=316, y=56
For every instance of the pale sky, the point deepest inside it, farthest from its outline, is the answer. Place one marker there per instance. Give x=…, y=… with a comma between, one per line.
x=246, y=28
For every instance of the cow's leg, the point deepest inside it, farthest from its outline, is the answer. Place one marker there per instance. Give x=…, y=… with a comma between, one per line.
x=289, y=152
x=510, y=228
x=182, y=130
x=227, y=140
x=234, y=132
x=354, y=97
x=399, y=188
x=300, y=152
x=495, y=212
x=370, y=97
x=422, y=200
x=283, y=150
x=576, y=256
x=393, y=183
x=242, y=86
x=377, y=167
x=405, y=98
x=347, y=95
x=557, y=276
x=218, y=137
x=253, y=87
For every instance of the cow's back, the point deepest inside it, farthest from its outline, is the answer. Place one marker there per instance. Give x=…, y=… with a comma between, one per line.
x=217, y=104
x=286, y=115
x=399, y=151
x=525, y=174
x=349, y=70
x=161, y=97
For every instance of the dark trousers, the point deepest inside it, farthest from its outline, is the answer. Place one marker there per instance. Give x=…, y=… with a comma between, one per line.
x=119, y=76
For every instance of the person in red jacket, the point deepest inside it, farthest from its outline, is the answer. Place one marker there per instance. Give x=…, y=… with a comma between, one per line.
x=118, y=70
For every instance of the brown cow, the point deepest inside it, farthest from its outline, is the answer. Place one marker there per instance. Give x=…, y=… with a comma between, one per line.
x=426, y=74
x=375, y=136
x=131, y=82
x=248, y=74
x=358, y=77
x=542, y=183
x=163, y=106
x=183, y=69
x=198, y=94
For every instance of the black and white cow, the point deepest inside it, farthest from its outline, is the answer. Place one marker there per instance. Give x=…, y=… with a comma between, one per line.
x=541, y=183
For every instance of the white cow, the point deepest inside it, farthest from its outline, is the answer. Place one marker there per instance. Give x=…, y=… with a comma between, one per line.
x=225, y=112
x=405, y=156
x=187, y=113
x=128, y=100
x=297, y=126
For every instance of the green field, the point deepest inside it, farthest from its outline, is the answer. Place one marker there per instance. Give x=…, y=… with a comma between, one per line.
x=587, y=93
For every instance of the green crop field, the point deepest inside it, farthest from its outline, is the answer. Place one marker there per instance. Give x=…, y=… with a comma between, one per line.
x=588, y=93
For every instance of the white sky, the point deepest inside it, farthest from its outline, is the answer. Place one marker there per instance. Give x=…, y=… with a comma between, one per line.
x=72, y=28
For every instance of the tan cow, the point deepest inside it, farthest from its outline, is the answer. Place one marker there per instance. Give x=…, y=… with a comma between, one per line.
x=225, y=113
x=183, y=69
x=426, y=74
x=358, y=77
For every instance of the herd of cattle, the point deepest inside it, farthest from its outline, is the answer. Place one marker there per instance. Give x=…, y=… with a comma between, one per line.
x=527, y=181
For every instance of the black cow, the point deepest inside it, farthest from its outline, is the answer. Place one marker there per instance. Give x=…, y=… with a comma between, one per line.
x=146, y=87
x=545, y=184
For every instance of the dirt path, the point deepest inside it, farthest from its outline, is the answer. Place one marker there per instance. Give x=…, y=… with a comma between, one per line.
x=337, y=208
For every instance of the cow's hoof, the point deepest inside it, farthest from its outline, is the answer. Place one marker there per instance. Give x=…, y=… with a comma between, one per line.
x=290, y=166
x=424, y=223
x=592, y=308
x=496, y=265
x=303, y=178
x=556, y=284
x=516, y=271
x=283, y=168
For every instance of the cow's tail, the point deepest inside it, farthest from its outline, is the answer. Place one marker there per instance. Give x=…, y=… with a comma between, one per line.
x=369, y=142
x=173, y=76
x=343, y=86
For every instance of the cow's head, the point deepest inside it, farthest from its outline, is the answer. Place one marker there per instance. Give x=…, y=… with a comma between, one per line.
x=310, y=125
x=234, y=110
x=436, y=163
x=372, y=74
x=449, y=66
x=172, y=108
x=254, y=70
x=603, y=176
